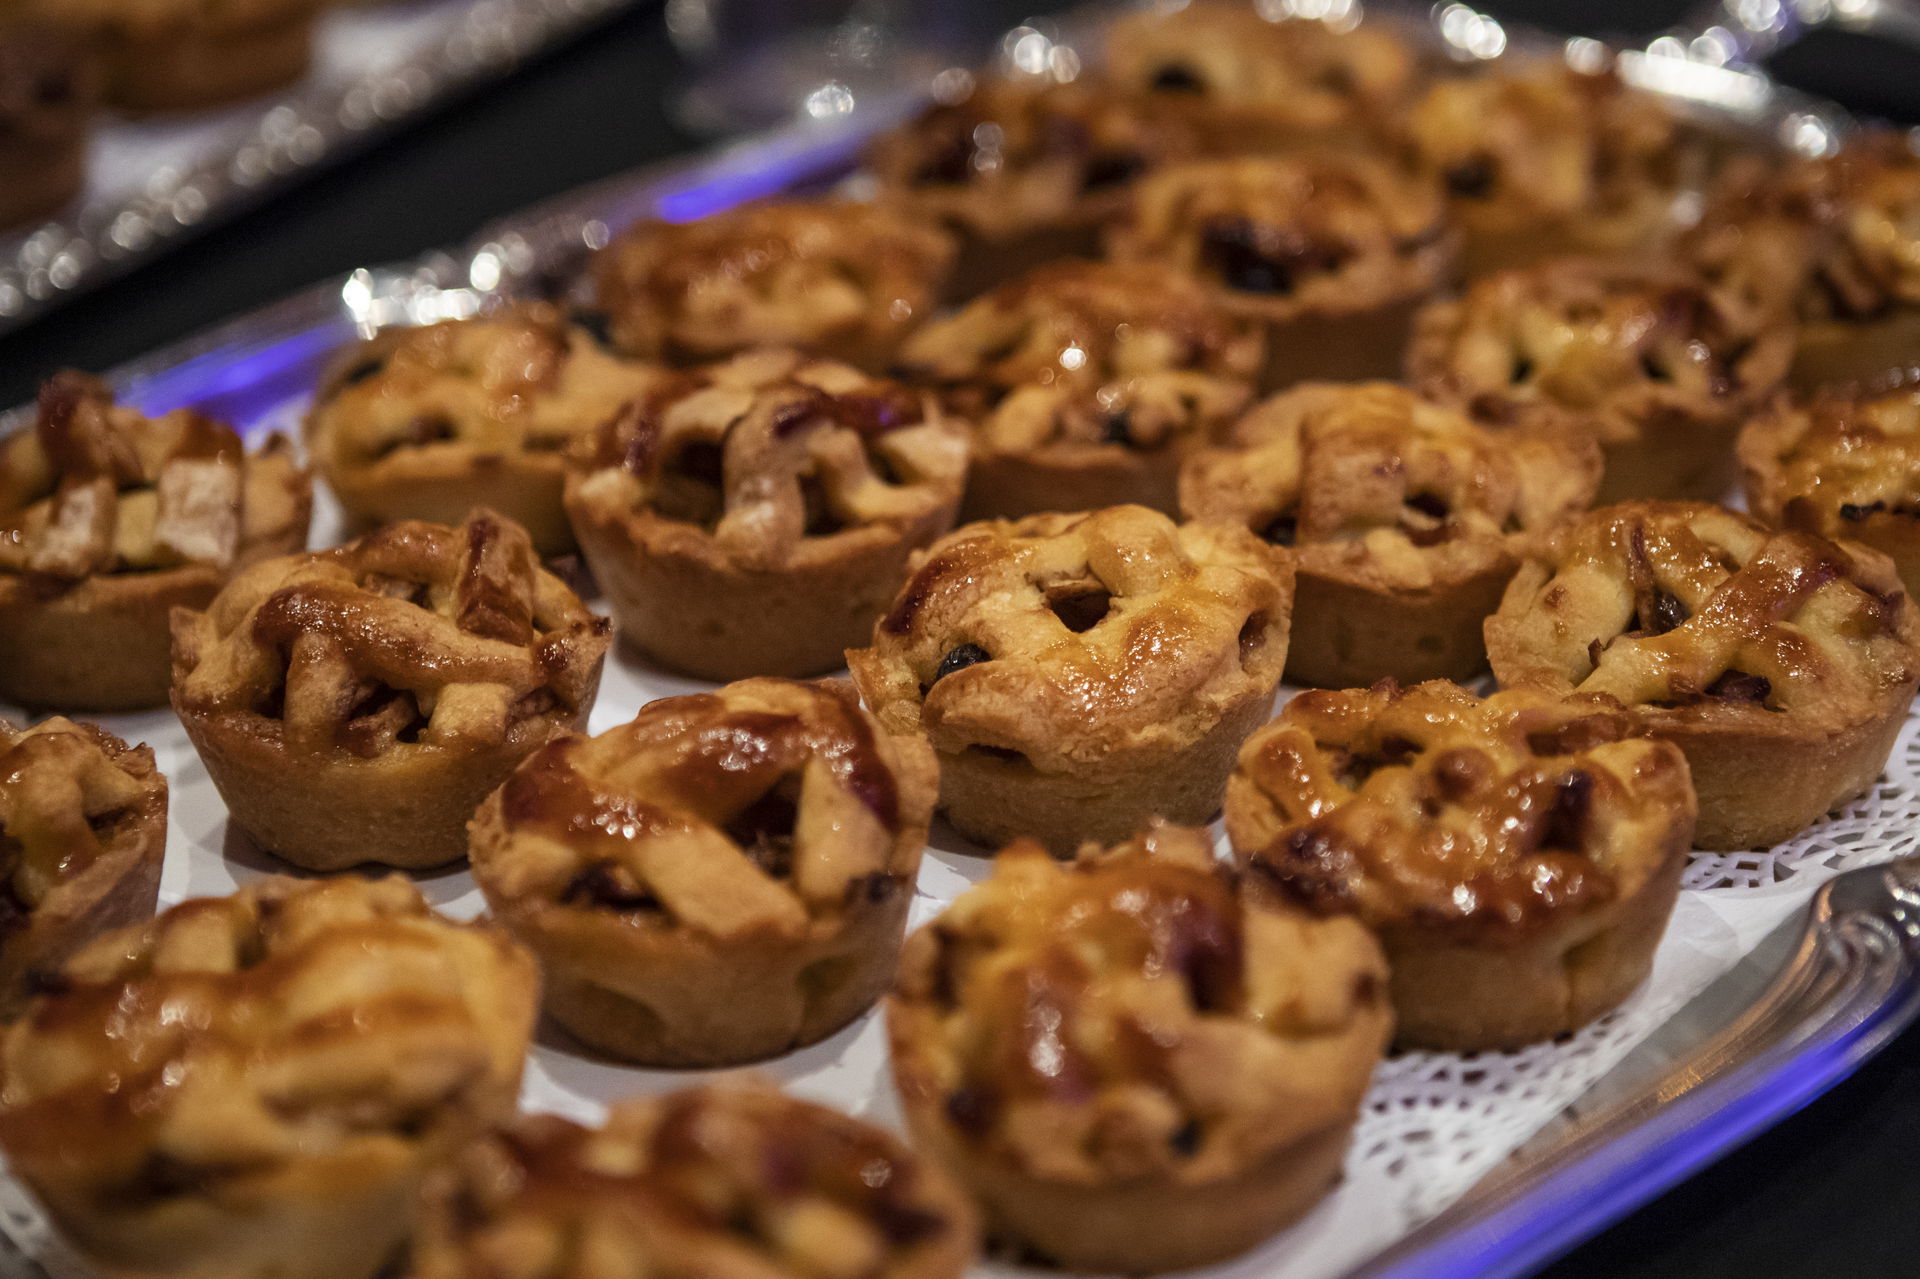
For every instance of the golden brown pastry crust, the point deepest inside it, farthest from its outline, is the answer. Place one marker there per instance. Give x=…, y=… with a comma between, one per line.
x=1023, y=168
x=428, y=423
x=1517, y=856
x=356, y=705
x=727, y=1181
x=836, y=279
x=1406, y=519
x=1085, y=383
x=1781, y=663
x=1830, y=241
x=1540, y=160
x=1649, y=359
x=722, y=879
x=1079, y=674
x=171, y=55
x=1265, y=83
x=83, y=830
x=1136, y=1061
x=754, y=517
x=1843, y=463
x=109, y=519
x=255, y=1085
x=1333, y=249
x=49, y=87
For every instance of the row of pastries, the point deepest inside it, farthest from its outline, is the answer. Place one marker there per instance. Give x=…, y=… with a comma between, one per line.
x=1181, y=472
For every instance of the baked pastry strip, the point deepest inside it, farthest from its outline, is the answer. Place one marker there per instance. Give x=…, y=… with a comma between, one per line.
x=724, y=878
x=1136, y=1061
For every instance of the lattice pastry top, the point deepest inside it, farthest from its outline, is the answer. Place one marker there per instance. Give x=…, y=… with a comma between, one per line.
x=1307, y=75
x=1615, y=348
x=1544, y=143
x=1091, y=353
x=1433, y=808
x=833, y=277
x=1016, y=152
x=1370, y=481
x=523, y=382
x=1299, y=234
x=1695, y=612
x=71, y=795
x=95, y=489
x=257, y=1048
x=770, y=457
x=723, y=1182
x=1838, y=462
x=756, y=810
x=1137, y=1011
x=1835, y=237
x=1062, y=636
x=415, y=637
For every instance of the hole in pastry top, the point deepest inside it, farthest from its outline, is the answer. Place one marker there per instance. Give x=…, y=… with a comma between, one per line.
x=525, y=379
x=839, y=277
x=1004, y=997
x=1538, y=142
x=809, y=1190
x=1686, y=607
x=771, y=448
x=1335, y=231
x=1433, y=808
x=1089, y=354
x=416, y=636
x=1597, y=337
x=757, y=807
x=1359, y=474
x=96, y=488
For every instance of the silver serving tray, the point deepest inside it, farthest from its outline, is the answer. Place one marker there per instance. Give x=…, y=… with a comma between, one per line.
x=1805, y=1006
x=152, y=183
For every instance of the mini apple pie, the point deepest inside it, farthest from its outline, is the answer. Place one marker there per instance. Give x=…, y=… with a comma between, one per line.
x=1265, y=83
x=1136, y=1061
x=1079, y=674
x=723, y=1180
x=1024, y=169
x=256, y=1085
x=1518, y=857
x=108, y=519
x=1781, y=663
x=1086, y=382
x=1649, y=360
x=1333, y=251
x=175, y=55
x=1543, y=160
x=723, y=878
x=83, y=830
x=428, y=423
x=754, y=517
x=1833, y=241
x=1844, y=463
x=356, y=705
x=833, y=278
x=1407, y=521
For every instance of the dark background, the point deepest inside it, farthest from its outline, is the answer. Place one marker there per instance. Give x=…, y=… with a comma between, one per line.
x=1835, y=1191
